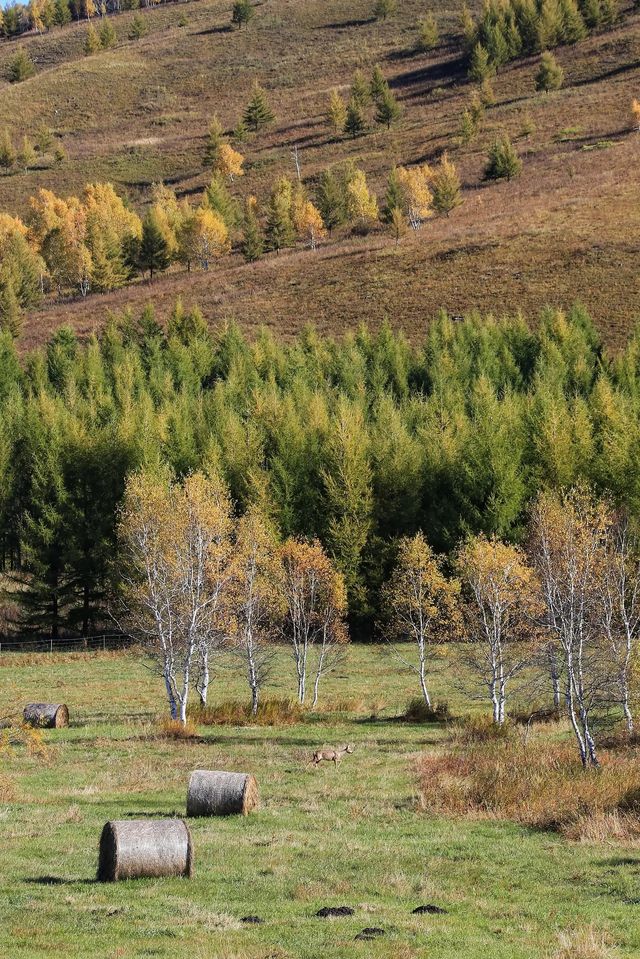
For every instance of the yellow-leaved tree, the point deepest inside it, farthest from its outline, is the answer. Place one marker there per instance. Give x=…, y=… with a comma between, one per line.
x=315, y=607
x=228, y=162
x=501, y=606
x=176, y=545
x=307, y=219
x=416, y=181
x=362, y=206
x=635, y=113
x=422, y=605
x=203, y=237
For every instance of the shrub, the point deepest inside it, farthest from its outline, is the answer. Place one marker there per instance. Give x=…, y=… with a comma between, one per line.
x=417, y=711
x=482, y=729
x=20, y=67
x=540, y=785
x=271, y=712
x=174, y=729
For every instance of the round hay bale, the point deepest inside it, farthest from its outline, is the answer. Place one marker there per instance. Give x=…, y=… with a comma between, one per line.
x=46, y=715
x=143, y=848
x=217, y=793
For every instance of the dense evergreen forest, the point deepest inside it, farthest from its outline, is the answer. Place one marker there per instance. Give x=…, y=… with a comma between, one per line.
x=357, y=442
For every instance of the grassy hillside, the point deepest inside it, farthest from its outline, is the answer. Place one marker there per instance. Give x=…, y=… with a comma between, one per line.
x=566, y=230
x=353, y=836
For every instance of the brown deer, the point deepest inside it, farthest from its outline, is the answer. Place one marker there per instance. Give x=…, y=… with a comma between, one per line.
x=330, y=755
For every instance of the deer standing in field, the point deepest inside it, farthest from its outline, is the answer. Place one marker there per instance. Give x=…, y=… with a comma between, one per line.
x=330, y=755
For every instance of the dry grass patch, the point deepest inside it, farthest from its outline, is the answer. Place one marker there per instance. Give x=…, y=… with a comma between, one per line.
x=271, y=712
x=584, y=944
x=540, y=784
x=175, y=729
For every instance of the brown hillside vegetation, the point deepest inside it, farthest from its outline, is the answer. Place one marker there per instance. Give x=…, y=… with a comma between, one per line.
x=566, y=230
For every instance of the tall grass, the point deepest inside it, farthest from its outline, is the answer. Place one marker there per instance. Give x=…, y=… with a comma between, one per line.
x=540, y=784
x=271, y=712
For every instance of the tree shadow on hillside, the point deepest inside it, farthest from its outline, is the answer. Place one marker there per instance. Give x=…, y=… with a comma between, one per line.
x=344, y=24
x=443, y=73
x=212, y=30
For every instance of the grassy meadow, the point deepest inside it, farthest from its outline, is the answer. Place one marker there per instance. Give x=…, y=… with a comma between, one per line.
x=357, y=835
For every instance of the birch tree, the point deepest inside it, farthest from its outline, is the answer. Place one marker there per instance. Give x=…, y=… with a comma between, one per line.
x=174, y=541
x=621, y=611
x=316, y=600
x=256, y=599
x=569, y=533
x=422, y=603
x=501, y=603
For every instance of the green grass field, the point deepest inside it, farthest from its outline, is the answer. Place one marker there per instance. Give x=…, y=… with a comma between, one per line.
x=352, y=836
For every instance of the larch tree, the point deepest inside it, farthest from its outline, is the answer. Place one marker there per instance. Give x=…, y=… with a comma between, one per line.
x=503, y=161
x=26, y=154
x=635, y=113
x=428, y=34
x=7, y=152
x=388, y=110
x=384, y=8
x=501, y=605
x=252, y=242
x=422, y=607
x=307, y=219
x=445, y=187
x=153, y=249
x=550, y=75
x=355, y=122
x=362, y=205
x=315, y=605
x=337, y=112
x=280, y=231
x=257, y=112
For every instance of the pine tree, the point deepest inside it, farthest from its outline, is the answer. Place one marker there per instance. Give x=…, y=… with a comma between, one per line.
x=397, y=223
x=252, y=243
x=378, y=86
x=503, y=161
x=62, y=13
x=384, y=8
x=428, y=34
x=7, y=153
x=480, y=66
x=257, y=113
x=44, y=139
x=153, y=250
x=92, y=41
x=355, y=123
x=609, y=10
x=243, y=12
x=445, y=187
x=388, y=110
x=337, y=112
x=550, y=75
x=108, y=35
x=138, y=28
x=280, y=231
x=20, y=67
x=592, y=13
x=549, y=24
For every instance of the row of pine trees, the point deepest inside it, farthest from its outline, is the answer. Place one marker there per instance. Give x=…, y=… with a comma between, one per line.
x=357, y=442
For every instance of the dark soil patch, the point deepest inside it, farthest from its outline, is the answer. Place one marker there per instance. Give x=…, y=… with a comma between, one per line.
x=329, y=911
x=429, y=909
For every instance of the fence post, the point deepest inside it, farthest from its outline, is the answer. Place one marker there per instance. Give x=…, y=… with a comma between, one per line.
x=51, y=644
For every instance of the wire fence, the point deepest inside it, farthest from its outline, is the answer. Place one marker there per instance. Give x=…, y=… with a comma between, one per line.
x=65, y=644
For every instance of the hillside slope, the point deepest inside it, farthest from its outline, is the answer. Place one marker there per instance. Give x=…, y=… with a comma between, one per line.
x=566, y=230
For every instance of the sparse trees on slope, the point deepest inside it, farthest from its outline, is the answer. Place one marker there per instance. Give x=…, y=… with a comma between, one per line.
x=388, y=109
x=243, y=12
x=428, y=34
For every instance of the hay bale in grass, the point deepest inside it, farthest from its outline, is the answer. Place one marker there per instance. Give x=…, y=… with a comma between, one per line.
x=217, y=793
x=46, y=715
x=143, y=848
